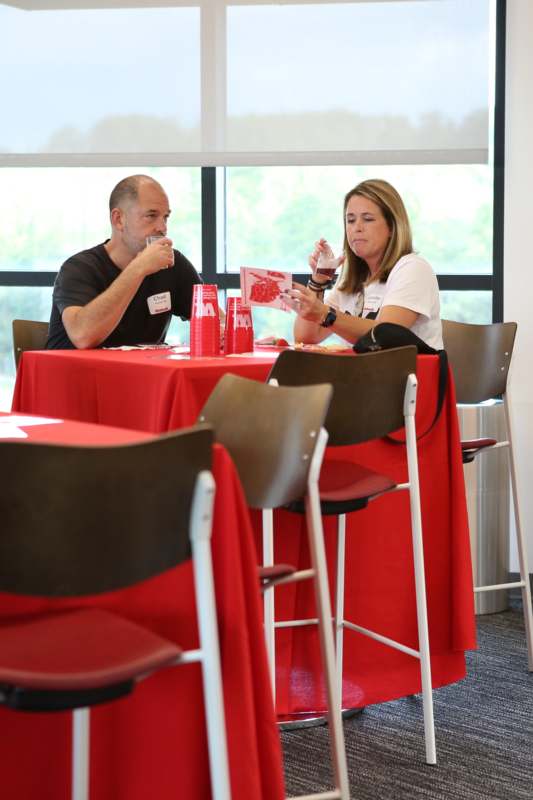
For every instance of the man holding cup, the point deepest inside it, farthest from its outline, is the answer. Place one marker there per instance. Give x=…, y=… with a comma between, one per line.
x=124, y=291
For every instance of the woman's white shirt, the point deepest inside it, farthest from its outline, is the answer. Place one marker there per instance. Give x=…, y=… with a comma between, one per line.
x=411, y=284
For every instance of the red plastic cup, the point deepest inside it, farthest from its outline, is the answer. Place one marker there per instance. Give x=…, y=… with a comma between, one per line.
x=239, y=333
x=205, y=321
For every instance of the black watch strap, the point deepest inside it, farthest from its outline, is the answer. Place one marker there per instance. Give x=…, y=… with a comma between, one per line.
x=329, y=319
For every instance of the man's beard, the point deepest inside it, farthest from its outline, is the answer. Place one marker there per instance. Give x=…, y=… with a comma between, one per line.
x=133, y=244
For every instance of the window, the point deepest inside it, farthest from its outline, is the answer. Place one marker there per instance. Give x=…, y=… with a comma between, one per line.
x=28, y=302
x=275, y=214
x=48, y=214
x=256, y=117
x=228, y=83
x=104, y=85
x=358, y=76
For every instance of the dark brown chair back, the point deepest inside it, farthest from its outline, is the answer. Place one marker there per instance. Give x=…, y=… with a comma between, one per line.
x=368, y=389
x=270, y=433
x=479, y=356
x=28, y=335
x=83, y=520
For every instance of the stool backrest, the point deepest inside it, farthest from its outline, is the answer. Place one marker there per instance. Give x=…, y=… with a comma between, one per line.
x=270, y=432
x=28, y=335
x=480, y=357
x=83, y=520
x=368, y=389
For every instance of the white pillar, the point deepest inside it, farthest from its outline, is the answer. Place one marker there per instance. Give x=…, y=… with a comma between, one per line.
x=518, y=249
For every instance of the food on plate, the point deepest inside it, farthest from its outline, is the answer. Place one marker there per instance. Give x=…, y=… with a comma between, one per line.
x=271, y=341
x=324, y=348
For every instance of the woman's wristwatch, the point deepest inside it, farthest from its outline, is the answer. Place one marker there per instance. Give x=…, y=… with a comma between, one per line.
x=329, y=319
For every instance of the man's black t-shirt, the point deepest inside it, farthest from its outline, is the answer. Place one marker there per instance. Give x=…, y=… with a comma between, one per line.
x=86, y=275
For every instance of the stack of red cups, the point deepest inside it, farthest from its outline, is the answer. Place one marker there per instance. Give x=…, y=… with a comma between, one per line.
x=239, y=333
x=205, y=321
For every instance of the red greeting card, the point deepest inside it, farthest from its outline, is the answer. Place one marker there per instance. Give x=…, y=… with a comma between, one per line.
x=265, y=287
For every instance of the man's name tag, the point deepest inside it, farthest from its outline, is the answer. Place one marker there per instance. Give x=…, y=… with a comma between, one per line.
x=159, y=303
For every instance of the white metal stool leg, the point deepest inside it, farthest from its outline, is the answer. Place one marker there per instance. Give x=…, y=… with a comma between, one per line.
x=339, y=600
x=318, y=560
x=80, y=754
x=423, y=643
x=420, y=588
x=208, y=634
x=268, y=598
x=521, y=543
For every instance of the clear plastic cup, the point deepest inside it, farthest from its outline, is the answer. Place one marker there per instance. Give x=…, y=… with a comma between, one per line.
x=154, y=238
x=327, y=265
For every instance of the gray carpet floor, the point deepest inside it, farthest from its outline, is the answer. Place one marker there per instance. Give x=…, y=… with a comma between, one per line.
x=484, y=731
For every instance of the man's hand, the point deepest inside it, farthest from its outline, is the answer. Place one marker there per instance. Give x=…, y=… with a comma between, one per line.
x=90, y=325
x=155, y=256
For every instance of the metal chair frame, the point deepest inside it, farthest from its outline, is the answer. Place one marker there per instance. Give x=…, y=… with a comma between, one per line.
x=480, y=357
x=342, y=372
x=277, y=442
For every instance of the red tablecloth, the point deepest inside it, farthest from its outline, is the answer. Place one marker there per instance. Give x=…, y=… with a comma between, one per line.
x=152, y=744
x=146, y=390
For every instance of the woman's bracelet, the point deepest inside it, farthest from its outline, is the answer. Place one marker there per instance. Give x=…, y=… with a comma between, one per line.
x=315, y=286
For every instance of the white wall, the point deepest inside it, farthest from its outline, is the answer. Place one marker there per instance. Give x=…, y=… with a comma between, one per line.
x=518, y=249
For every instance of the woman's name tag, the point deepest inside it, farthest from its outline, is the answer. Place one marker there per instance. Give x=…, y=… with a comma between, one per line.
x=159, y=303
x=372, y=302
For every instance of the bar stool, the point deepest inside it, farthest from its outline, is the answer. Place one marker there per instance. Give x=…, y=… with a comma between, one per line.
x=28, y=334
x=79, y=521
x=480, y=359
x=374, y=394
x=276, y=440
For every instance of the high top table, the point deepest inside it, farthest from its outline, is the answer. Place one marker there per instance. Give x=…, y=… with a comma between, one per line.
x=152, y=392
x=152, y=744
x=149, y=390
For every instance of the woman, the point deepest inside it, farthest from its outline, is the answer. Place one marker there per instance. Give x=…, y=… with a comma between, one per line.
x=382, y=280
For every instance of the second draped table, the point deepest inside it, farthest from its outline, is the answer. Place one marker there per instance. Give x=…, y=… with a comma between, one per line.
x=148, y=391
x=153, y=743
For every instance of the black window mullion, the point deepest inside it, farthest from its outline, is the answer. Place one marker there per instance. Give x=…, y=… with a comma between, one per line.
x=457, y=283
x=466, y=283
x=209, y=225
x=231, y=280
x=15, y=277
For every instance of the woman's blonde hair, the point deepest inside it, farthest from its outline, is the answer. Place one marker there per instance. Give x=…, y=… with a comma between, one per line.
x=355, y=270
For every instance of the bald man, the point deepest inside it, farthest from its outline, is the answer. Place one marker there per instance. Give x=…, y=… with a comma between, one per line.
x=124, y=291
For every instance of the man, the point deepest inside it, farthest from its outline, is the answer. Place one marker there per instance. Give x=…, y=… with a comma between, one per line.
x=124, y=292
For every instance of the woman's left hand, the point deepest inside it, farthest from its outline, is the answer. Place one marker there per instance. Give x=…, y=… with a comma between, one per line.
x=306, y=303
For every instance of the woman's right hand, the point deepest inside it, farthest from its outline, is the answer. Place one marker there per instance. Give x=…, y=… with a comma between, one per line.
x=326, y=256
